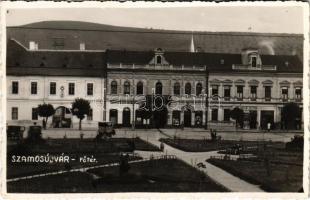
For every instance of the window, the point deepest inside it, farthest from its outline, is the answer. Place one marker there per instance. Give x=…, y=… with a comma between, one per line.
x=113, y=87
x=188, y=89
x=226, y=115
x=34, y=87
x=159, y=88
x=53, y=88
x=14, y=113
x=58, y=43
x=214, y=115
x=298, y=93
x=198, y=89
x=90, y=89
x=226, y=92
x=240, y=92
x=158, y=60
x=284, y=91
x=253, y=92
x=90, y=115
x=71, y=89
x=215, y=90
x=126, y=87
x=14, y=87
x=267, y=93
x=177, y=88
x=253, y=61
x=34, y=113
x=139, y=88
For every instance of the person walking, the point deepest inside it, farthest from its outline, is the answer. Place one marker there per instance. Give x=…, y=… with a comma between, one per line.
x=268, y=126
x=162, y=147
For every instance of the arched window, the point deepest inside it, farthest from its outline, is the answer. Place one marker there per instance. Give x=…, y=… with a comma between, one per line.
x=139, y=87
x=158, y=59
x=113, y=87
x=126, y=87
x=198, y=89
x=188, y=89
x=177, y=88
x=159, y=88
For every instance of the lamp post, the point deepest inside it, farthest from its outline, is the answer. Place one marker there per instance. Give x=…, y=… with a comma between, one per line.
x=207, y=98
x=133, y=113
x=133, y=123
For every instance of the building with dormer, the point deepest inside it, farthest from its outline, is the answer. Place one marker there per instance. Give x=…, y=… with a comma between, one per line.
x=199, y=77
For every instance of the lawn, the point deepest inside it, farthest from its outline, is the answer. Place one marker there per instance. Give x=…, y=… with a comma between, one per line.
x=275, y=170
x=195, y=145
x=103, y=151
x=147, y=176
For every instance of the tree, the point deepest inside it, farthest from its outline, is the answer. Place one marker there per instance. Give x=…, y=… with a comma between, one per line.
x=80, y=108
x=45, y=111
x=237, y=114
x=290, y=114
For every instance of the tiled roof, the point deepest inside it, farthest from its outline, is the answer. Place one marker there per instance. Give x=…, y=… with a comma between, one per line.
x=22, y=61
x=101, y=37
x=213, y=61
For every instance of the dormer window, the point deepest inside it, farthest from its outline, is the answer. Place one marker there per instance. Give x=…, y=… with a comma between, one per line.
x=158, y=60
x=253, y=61
x=286, y=63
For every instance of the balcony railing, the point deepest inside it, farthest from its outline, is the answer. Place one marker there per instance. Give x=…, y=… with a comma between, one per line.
x=121, y=98
x=258, y=68
x=157, y=67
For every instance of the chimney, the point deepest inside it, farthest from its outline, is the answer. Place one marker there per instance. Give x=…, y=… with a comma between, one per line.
x=82, y=46
x=33, y=45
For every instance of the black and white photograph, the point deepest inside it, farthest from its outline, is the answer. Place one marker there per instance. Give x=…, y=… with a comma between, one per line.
x=155, y=98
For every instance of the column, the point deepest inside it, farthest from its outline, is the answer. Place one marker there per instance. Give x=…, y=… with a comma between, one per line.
x=193, y=118
x=182, y=117
x=246, y=122
x=120, y=117
x=258, y=118
x=169, y=121
x=203, y=117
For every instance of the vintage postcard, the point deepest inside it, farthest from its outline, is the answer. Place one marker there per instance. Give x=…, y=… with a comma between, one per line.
x=154, y=100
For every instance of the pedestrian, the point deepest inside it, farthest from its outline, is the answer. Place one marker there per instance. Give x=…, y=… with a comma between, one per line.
x=162, y=146
x=268, y=126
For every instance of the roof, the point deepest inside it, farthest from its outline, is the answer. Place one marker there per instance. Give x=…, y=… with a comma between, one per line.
x=213, y=61
x=101, y=37
x=21, y=61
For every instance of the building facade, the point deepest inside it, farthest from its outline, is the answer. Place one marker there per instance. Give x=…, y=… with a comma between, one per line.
x=203, y=87
x=57, y=78
x=155, y=87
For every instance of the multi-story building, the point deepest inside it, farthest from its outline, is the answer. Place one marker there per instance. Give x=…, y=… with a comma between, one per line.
x=260, y=85
x=54, y=77
x=258, y=73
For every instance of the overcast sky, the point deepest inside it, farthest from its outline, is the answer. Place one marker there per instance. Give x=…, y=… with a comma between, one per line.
x=243, y=19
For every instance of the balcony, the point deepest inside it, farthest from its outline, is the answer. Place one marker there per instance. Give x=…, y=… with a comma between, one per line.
x=284, y=98
x=258, y=68
x=157, y=67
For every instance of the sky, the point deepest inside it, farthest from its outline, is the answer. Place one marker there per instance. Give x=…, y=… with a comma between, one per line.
x=288, y=19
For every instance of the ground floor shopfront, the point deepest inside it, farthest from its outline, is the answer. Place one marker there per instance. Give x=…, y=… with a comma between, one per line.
x=255, y=116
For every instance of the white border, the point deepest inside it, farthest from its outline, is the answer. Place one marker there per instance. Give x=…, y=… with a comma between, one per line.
x=92, y=4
